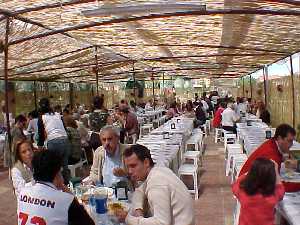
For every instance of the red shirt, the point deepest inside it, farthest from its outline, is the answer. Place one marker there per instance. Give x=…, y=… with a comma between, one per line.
x=218, y=117
x=269, y=150
x=257, y=209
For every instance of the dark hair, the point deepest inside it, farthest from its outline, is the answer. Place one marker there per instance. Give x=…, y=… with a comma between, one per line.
x=223, y=104
x=124, y=109
x=173, y=105
x=261, y=178
x=20, y=118
x=34, y=114
x=132, y=103
x=46, y=164
x=283, y=130
x=57, y=108
x=17, y=149
x=44, y=104
x=66, y=111
x=98, y=102
x=189, y=105
x=141, y=152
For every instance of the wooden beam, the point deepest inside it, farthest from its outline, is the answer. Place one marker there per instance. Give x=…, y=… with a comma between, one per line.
x=26, y=20
x=160, y=16
x=52, y=57
x=290, y=2
x=207, y=56
x=196, y=46
x=50, y=6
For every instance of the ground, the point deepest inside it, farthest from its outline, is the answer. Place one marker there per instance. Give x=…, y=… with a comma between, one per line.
x=214, y=206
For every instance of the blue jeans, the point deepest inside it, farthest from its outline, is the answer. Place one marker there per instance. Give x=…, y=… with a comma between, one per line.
x=62, y=147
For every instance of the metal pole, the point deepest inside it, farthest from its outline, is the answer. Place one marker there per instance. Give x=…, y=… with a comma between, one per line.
x=6, y=83
x=35, y=95
x=134, y=87
x=250, y=87
x=164, y=85
x=265, y=85
x=293, y=91
x=71, y=92
x=243, y=86
x=153, y=94
x=97, y=70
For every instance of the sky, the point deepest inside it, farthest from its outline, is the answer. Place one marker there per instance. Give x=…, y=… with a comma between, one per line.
x=281, y=68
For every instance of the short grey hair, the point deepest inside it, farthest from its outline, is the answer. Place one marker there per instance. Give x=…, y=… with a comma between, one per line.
x=115, y=130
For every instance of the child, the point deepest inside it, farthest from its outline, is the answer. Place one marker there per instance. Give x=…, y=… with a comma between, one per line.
x=258, y=193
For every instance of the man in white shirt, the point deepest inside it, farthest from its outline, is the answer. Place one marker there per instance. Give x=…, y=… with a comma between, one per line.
x=49, y=201
x=107, y=165
x=229, y=118
x=166, y=196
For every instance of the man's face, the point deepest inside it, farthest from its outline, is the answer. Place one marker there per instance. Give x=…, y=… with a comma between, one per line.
x=137, y=169
x=286, y=143
x=110, y=141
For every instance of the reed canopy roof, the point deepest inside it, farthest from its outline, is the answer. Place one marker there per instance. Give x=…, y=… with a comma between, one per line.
x=72, y=40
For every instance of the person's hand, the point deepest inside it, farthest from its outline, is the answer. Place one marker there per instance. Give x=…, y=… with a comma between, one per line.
x=119, y=172
x=121, y=215
x=290, y=164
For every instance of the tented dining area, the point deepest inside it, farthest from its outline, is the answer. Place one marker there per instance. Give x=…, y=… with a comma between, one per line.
x=129, y=112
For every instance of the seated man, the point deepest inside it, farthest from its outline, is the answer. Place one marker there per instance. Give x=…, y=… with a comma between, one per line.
x=108, y=162
x=167, y=197
x=275, y=149
x=49, y=201
x=229, y=118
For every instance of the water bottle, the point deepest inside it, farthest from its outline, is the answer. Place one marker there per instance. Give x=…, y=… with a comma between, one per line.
x=102, y=219
x=282, y=169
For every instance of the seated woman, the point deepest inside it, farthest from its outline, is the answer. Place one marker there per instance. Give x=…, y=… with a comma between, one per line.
x=21, y=173
x=189, y=111
x=172, y=111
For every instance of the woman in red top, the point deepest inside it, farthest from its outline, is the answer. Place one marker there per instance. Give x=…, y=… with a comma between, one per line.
x=258, y=193
x=218, y=115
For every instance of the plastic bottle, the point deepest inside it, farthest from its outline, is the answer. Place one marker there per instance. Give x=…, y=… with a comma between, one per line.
x=282, y=169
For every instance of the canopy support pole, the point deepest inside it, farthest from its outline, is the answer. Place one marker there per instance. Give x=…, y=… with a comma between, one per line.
x=164, y=85
x=265, y=69
x=71, y=92
x=293, y=91
x=153, y=94
x=243, y=80
x=134, y=87
x=7, y=27
x=250, y=87
x=35, y=95
x=97, y=70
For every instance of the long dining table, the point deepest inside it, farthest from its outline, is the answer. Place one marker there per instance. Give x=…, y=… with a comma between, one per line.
x=166, y=143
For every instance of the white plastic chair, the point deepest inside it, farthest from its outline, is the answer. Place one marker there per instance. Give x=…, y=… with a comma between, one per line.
x=218, y=135
x=190, y=170
x=82, y=161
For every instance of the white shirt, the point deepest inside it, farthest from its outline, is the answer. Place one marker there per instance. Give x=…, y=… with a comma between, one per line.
x=108, y=166
x=169, y=201
x=241, y=107
x=205, y=105
x=229, y=117
x=54, y=126
x=45, y=203
x=18, y=180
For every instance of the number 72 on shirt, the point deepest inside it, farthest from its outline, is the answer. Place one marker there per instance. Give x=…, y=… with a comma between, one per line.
x=35, y=220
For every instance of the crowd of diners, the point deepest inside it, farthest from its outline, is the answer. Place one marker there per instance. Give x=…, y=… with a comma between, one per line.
x=40, y=164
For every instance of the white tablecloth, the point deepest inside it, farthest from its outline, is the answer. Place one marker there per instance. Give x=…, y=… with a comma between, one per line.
x=289, y=208
x=2, y=143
